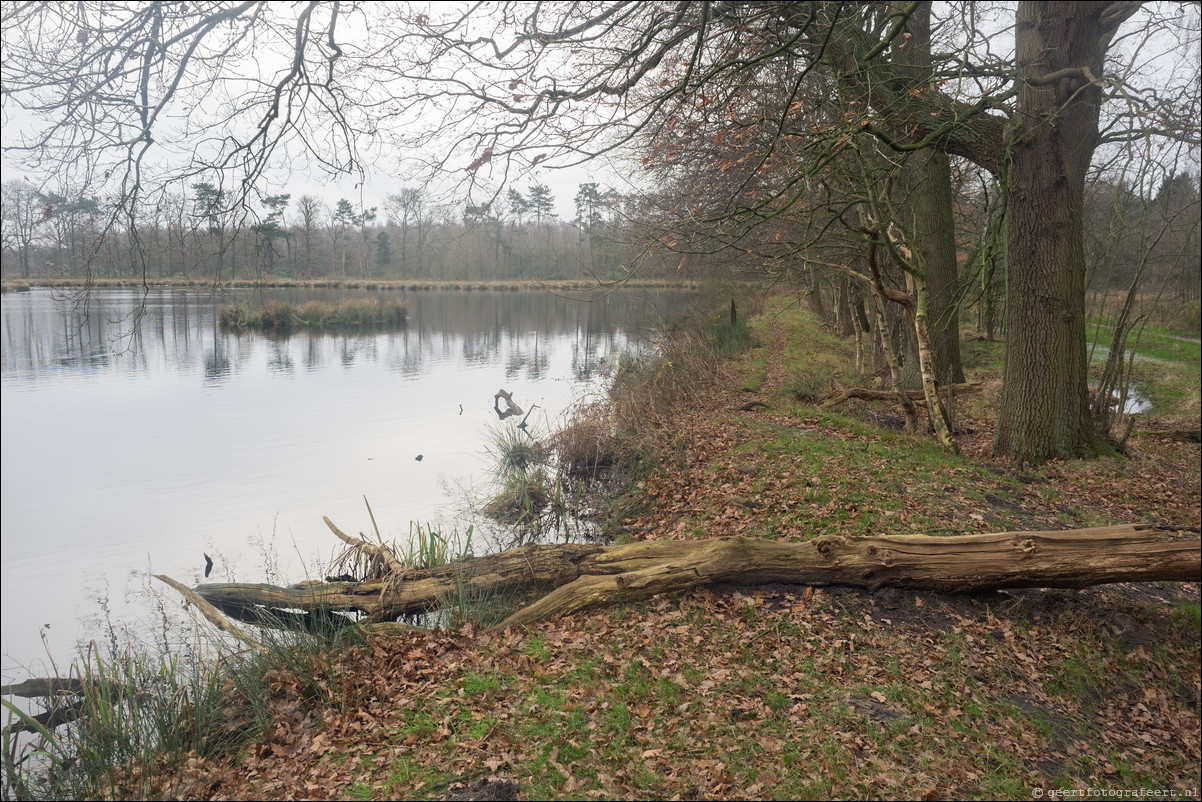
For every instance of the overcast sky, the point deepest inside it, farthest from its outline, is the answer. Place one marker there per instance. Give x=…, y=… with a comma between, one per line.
x=385, y=172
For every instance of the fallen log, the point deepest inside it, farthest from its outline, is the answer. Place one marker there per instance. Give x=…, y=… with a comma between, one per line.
x=1179, y=435
x=214, y=616
x=580, y=576
x=67, y=698
x=866, y=394
x=62, y=711
x=50, y=686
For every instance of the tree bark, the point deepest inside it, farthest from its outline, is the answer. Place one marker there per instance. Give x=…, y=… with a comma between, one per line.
x=895, y=370
x=1045, y=397
x=588, y=576
x=814, y=298
x=846, y=326
x=926, y=210
x=939, y=417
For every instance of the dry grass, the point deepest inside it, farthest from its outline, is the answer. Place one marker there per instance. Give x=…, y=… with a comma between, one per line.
x=1162, y=313
x=647, y=396
x=277, y=316
x=588, y=444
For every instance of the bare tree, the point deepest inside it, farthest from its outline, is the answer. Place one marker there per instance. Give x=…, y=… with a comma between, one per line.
x=309, y=210
x=504, y=86
x=20, y=215
x=406, y=210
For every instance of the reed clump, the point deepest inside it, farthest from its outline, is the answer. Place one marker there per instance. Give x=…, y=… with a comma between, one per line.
x=129, y=722
x=280, y=317
x=522, y=500
x=516, y=453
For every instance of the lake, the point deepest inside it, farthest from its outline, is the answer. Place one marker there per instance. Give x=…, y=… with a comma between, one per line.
x=137, y=437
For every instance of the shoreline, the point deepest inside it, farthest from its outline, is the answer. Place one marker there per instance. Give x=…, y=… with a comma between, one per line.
x=394, y=285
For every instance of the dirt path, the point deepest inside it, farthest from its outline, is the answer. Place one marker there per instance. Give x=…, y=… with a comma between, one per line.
x=776, y=358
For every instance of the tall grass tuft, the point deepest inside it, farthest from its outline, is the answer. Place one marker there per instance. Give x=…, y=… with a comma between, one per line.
x=729, y=338
x=514, y=452
x=139, y=717
x=428, y=547
x=522, y=500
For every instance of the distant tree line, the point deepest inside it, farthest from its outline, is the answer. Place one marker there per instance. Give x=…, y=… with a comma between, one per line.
x=200, y=232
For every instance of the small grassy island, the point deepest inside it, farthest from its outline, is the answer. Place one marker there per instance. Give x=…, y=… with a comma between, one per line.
x=278, y=316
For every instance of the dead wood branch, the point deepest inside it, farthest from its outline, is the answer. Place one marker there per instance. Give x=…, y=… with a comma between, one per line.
x=211, y=613
x=510, y=407
x=381, y=559
x=866, y=394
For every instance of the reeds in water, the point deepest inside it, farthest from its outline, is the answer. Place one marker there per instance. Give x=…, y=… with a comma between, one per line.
x=281, y=317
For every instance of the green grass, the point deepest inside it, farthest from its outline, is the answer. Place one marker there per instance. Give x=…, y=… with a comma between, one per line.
x=982, y=355
x=476, y=684
x=753, y=370
x=514, y=452
x=846, y=482
x=1154, y=343
x=729, y=338
x=815, y=360
x=1172, y=387
x=1191, y=614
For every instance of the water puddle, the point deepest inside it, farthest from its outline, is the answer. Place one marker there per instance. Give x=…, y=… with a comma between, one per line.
x=1135, y=403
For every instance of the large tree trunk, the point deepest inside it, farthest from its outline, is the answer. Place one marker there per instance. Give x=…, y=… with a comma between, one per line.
x=846, y=325
x=586, y=576
x=926, y=212
x=1045, y=399
x=928, y=216
x=814, y=298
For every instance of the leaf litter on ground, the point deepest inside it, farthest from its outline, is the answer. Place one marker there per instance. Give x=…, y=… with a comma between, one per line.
x=785, y=692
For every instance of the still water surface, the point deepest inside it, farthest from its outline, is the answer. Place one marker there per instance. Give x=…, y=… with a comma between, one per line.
x=136, y=448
